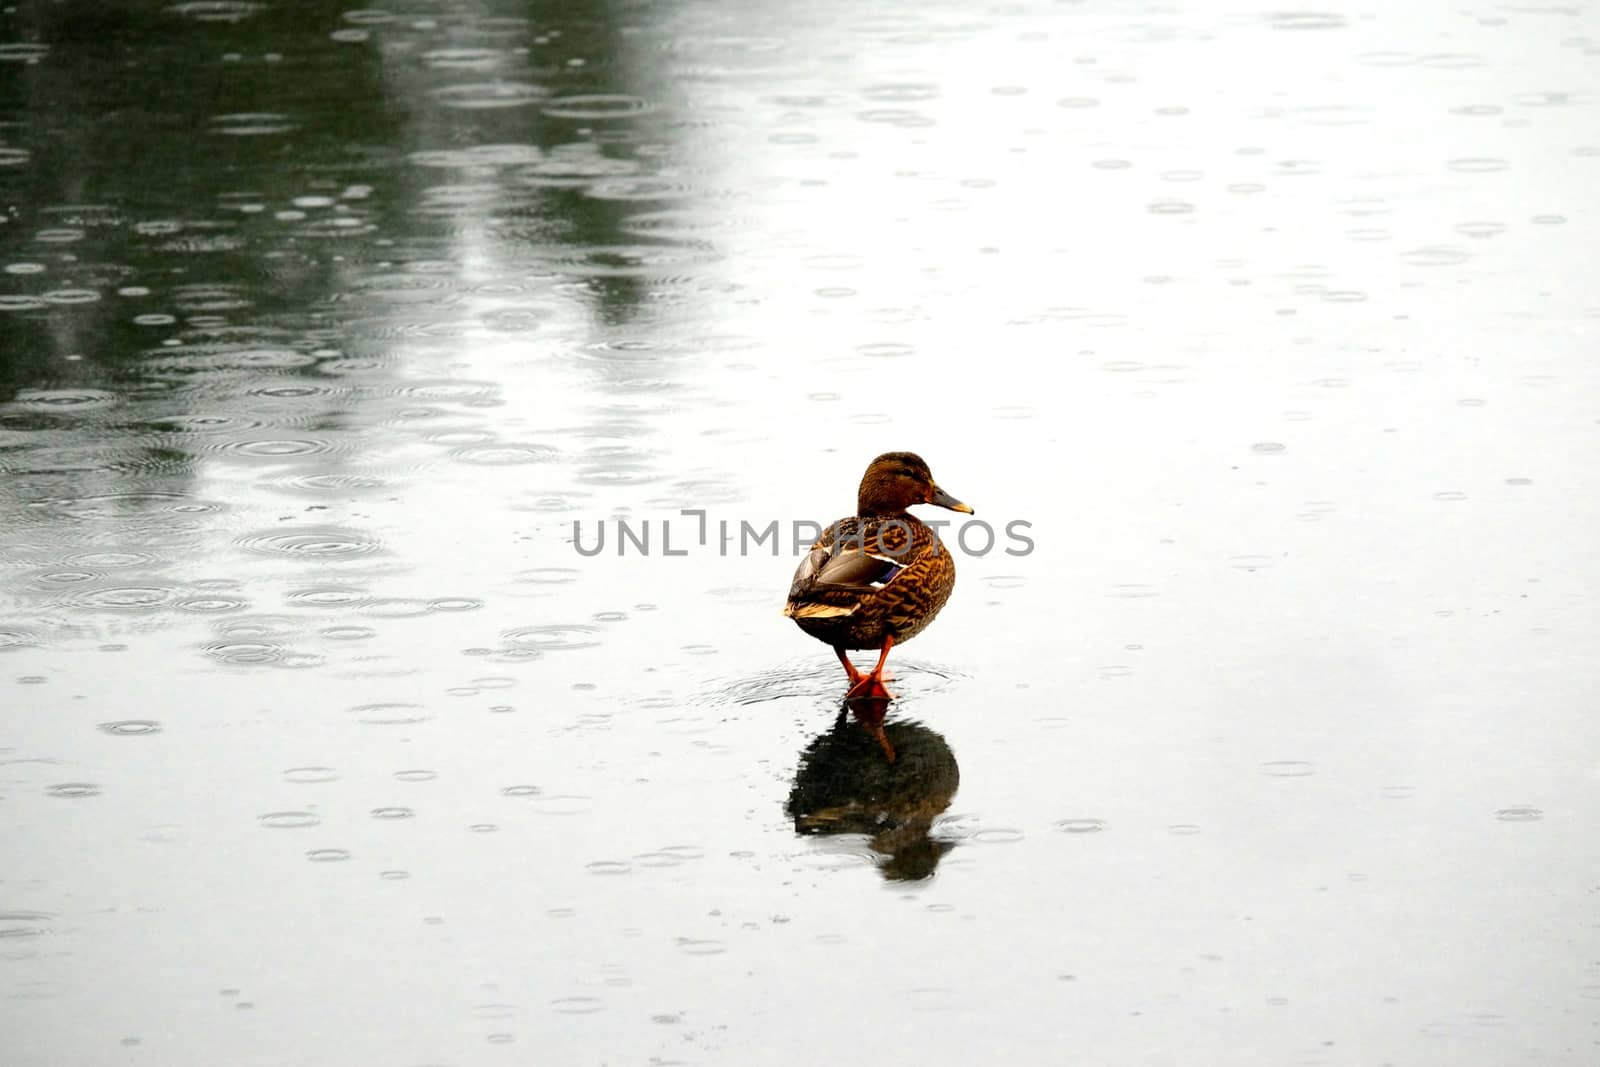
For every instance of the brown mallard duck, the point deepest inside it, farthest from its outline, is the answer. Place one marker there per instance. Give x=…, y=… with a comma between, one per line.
x=877, y=578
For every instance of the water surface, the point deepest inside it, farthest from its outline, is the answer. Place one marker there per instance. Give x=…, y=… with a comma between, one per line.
x=322, y=327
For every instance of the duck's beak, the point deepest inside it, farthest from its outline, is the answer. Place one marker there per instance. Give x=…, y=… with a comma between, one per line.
x=945, y=500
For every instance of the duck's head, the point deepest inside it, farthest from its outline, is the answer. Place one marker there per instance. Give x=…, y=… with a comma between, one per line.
x=895, y=481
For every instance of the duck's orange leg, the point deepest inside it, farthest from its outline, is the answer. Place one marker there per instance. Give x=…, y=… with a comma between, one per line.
x=871, y=685
x=849, y=668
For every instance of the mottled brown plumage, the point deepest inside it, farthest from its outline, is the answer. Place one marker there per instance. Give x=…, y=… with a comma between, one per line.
x=878, y=577
x=913, y=570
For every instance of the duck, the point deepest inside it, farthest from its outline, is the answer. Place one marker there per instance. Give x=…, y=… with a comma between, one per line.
x=877, y=578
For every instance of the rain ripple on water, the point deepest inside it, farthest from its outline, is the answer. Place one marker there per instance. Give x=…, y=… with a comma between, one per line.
x=486, y=95
x=1519, y=813
x=323, y=543
x=552, y=638
x=390, y=714
x=597, y=106
x=73, y=790
x=131, y=727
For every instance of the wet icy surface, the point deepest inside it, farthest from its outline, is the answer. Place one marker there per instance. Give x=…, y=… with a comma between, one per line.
x=321, y=328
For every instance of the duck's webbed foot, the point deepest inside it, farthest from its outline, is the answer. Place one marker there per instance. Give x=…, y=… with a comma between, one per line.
x=869, y=686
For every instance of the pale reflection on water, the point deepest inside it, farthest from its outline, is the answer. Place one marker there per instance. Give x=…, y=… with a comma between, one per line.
x=320, y=327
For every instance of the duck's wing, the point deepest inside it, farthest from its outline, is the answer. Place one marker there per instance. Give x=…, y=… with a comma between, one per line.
x=833, y=578
x=845, y=569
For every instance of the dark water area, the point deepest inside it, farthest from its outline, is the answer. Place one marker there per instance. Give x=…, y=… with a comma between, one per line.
x=1259, y=727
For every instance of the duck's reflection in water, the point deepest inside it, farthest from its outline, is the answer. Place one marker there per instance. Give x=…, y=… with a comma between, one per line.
x=845, y=785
